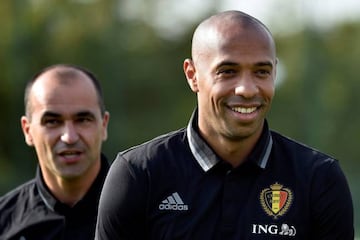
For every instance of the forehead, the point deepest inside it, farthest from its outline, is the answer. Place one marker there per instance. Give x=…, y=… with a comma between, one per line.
x=233, y=38
x=63, y=94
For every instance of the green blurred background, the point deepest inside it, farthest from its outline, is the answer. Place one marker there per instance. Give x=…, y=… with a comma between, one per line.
x=136, y=48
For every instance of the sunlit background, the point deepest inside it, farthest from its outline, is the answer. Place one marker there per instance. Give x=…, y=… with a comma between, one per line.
x=136, y=48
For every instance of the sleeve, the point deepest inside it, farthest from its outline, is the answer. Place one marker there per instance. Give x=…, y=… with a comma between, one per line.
x=332, y=208
x=122, y=203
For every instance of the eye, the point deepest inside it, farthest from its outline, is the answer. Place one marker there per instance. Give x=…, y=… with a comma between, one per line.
x=263, y=73
x=85, y=119
x=51, y=122
x=226, y=72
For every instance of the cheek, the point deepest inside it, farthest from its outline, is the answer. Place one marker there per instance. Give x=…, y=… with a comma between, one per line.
x=271, y=92
x=93, y=135
x=221, y=90
x=43, y=138
x=268, y=90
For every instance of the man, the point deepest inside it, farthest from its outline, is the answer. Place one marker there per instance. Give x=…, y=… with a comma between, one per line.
x=66, y=122
x=226, y=176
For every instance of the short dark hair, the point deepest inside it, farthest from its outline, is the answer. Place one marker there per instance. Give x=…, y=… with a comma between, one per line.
x=83, y=70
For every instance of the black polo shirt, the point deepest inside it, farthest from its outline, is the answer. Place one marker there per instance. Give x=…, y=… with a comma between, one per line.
x=31, y=212
x=176, y=187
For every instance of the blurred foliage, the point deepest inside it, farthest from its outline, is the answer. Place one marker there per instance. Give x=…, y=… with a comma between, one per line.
x=146, y=91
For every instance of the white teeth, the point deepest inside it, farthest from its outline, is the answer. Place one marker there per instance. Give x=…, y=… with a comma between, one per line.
x=244, y=110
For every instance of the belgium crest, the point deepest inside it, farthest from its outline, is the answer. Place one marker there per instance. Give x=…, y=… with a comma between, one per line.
x=276, y=200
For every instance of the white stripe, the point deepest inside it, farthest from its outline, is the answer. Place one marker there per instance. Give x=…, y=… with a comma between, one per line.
x=171, y=200
x=177, y=198
x=267, y=154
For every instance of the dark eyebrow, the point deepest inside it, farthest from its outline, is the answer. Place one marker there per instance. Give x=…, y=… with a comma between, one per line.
x=56, y=115
x=85, y=114
x=226, y=63
x=50, y=114
x=229, y=63
x=264, y=64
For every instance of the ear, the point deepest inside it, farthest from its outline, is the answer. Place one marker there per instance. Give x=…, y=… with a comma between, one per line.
x=25, y=125
x=275, y=71
x=190, y=73
x=105, y=125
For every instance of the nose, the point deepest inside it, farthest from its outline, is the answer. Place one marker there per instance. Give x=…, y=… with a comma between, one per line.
x=69, y=134
x=246, y=87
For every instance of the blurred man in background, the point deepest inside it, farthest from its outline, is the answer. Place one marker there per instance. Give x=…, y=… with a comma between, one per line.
x=227, y=175
x=66, y=122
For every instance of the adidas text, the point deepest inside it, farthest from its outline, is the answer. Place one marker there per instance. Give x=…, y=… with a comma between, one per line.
x=173, y=207
x=173, y=202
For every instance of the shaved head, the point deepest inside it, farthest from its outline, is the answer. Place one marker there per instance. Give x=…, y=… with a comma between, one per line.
x=66, y=74
x=229, y=26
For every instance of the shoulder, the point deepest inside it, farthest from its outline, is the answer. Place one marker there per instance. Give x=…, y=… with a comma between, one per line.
x=296, y=150
x=16, y=203
x=156, y=147
x=315, y=168
x=320, y=182
x=18, y=194
x=303, y=161
x=154, y=157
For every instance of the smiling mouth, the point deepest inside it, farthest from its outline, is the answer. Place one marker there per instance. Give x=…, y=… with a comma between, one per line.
x=244, y=110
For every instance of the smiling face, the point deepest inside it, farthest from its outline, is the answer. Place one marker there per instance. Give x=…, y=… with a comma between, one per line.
x=65, y=124
x=232, y=71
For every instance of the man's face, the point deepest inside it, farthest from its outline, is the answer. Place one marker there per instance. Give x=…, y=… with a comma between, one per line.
x=234, y=77
x=65, y=126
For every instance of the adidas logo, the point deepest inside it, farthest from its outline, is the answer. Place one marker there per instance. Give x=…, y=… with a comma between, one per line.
x=173, y=202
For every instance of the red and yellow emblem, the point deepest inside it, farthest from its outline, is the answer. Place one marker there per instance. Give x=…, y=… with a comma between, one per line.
x=276, y=200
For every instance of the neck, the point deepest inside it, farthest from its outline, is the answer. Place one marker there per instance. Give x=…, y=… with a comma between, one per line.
x=71, y=190
x=233, y=151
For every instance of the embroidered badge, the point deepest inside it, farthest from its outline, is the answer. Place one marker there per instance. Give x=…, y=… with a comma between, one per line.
x=276, y=200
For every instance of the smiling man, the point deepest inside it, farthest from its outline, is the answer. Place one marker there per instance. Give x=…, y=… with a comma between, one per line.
x=227, y=175
x=66, y=122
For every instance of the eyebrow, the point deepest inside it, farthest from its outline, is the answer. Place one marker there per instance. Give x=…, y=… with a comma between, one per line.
x=50, y=114
x=78, y=114
x=226, y=63
x=264, y=64
x=258, y=64
x=85, y=114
